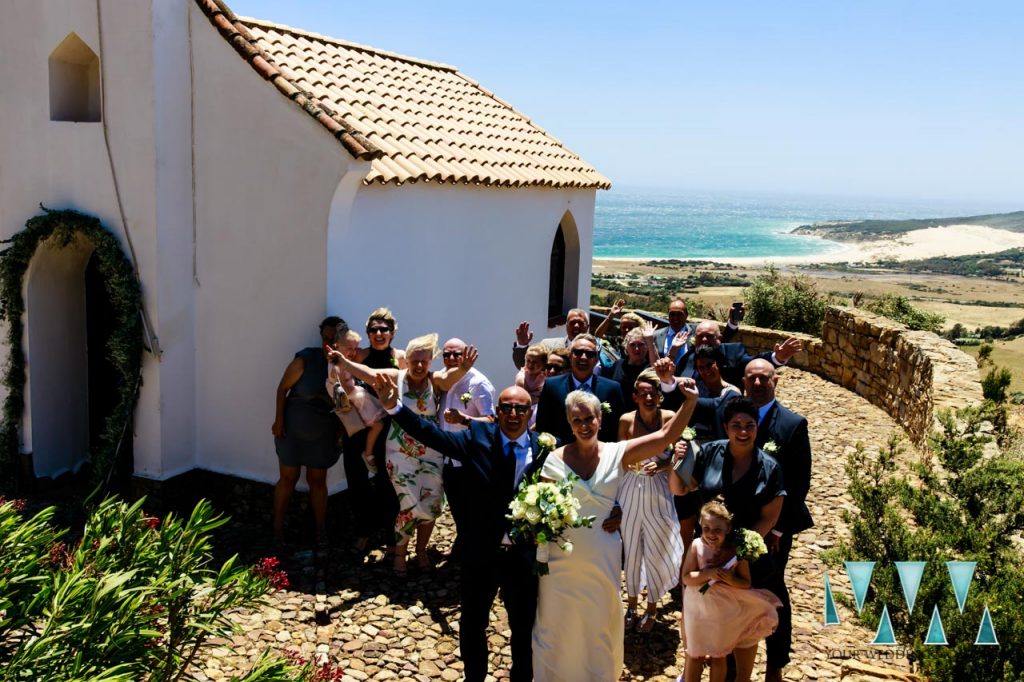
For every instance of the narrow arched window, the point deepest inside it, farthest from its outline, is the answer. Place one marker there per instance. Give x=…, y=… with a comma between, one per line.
x=74, y=82
x=564, y=271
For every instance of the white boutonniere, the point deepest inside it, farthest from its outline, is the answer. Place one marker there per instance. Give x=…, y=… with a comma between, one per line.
x=689, y=433
x=771, y=447
x=466, y=398
x=606, y=408
x=547, y=442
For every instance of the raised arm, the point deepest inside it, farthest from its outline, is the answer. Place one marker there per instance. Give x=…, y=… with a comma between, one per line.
x=651, y=444
x=652, y=348
x=523, y=338
x=449, y=376
x=614, y=312
x=358, y=370
x=452, y=444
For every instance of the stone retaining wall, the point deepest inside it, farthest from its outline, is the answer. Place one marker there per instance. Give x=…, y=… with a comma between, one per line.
x=909, y=374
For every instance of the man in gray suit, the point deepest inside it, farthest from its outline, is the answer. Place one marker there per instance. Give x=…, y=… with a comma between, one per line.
x=672, y=340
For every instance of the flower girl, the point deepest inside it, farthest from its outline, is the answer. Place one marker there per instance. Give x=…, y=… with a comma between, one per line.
x=721, y=614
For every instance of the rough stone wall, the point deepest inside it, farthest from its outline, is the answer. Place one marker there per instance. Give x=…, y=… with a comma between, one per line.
x=910, y=374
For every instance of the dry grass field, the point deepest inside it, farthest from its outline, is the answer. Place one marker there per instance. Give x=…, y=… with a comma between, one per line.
x=1009, y=354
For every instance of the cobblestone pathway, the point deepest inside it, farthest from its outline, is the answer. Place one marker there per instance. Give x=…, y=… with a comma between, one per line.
x=377, y=627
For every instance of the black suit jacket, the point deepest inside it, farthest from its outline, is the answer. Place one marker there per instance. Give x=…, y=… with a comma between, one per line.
x=551, y=408
x=489, y=476
x=789, y=431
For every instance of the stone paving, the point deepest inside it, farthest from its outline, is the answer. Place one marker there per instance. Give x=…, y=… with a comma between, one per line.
x=377, y=627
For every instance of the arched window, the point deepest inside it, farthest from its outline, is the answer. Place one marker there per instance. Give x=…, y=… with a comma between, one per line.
x=74, y=82
x=564, y=271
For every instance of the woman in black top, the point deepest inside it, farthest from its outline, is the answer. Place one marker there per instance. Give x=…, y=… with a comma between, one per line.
x=380, y=332
x=749, y=479
x=305, y=430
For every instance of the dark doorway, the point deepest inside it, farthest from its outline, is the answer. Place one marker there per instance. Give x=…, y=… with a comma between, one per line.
x=104, y=380
x=556, y=281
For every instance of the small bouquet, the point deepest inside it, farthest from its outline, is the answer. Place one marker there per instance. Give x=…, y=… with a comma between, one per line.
x=749, y=547
x=466, y=398
x=771, y=447
x=540, y=512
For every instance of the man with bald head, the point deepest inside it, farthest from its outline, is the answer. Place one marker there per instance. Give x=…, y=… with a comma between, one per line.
x=495, y=457
x=709, y=333
x=787, y=430
x=472, y=396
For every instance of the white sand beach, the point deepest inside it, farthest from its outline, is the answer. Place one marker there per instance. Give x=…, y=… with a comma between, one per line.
x=949, y=240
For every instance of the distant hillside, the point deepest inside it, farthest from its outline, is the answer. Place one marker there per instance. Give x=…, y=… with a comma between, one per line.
x=857, y=230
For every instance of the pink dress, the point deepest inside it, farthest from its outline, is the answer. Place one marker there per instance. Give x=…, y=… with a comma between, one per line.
x=725, y=617
x=367, y=409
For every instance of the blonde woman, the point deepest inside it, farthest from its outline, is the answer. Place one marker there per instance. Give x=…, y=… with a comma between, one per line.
x=414, y=469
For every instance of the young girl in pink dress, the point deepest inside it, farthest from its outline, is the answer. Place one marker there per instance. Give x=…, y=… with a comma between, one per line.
x=728, y=617
x=531, y=376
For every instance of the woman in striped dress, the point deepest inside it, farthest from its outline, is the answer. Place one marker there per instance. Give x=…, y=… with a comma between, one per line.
x=650, y=529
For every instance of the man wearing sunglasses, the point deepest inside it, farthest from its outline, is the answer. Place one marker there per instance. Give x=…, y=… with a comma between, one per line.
x=576, y=322
x=551, y=415
x=472, y=396
x=496, y=457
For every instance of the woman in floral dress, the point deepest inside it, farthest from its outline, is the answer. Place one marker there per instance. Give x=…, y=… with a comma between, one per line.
x=414, y=469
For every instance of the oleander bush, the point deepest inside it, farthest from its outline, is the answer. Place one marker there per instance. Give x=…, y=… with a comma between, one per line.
x=959, y=503
x=791, y=303
x=132, y=597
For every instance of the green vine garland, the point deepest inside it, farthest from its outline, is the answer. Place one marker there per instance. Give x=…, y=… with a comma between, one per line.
x=124, y=346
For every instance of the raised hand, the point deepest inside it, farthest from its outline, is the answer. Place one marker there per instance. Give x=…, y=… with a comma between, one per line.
x=523, y=334
x=666, y=370
x=387, y=391
x=679, y=342
x=679, y=451
x=469, y=356
x=616, y=309
x=648, y=329
x=787, y=349
x=689, y=388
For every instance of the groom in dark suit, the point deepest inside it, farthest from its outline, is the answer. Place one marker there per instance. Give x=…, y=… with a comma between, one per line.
x=551, y=408
x=495, y=458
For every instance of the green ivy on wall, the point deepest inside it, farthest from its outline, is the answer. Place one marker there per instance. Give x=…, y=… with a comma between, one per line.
x=124, y=345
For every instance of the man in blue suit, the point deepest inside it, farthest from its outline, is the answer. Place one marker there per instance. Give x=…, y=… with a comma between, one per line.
x=709, y=333
x=551, y=408
x=496, y=458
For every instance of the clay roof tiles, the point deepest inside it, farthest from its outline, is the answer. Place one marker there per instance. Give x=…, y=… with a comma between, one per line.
x=414, y=120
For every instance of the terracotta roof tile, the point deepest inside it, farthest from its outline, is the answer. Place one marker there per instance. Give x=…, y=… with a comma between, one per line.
x=414, y=120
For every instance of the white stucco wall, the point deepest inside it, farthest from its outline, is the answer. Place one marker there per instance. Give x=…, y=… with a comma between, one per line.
x=265, y=176
x=463, y=261
x=64, y=164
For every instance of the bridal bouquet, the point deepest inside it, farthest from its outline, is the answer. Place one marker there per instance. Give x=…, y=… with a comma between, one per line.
x=540, y=513
x=749, y=547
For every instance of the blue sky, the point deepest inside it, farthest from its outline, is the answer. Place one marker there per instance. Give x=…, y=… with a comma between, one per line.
x=894, y=98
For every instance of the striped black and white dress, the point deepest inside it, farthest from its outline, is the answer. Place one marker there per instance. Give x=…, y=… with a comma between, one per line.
x=650, y=532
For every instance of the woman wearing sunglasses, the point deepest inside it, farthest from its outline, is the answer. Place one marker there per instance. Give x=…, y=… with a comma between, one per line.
x=414, y=469
x=380, y=332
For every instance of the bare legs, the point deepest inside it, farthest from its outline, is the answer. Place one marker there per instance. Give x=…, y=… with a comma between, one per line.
x=288, y=477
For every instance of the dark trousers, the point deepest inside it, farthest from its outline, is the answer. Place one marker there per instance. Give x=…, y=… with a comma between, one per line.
x=372, y=501
x=454, y=492
x=769, y=573
x=509, y=572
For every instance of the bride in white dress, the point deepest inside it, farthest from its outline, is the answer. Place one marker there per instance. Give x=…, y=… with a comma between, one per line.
x=578, y=634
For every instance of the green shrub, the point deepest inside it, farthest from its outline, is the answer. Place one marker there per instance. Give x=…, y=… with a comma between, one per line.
x=964, y=506
x=901, y=310
x=133, y=598
x=789, y=303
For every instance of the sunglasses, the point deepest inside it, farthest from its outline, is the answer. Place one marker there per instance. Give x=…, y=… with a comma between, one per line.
x=451, y=354
x=554, y=368
x=507, y=408
x=378, y=330
x=581, y=353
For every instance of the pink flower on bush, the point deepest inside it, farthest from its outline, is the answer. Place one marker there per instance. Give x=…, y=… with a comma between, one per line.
x=18, y=505
x=60, y=558
x=152, y=522
x=270, y=568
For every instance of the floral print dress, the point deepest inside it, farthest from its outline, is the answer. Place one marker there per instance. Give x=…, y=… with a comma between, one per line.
x=414, y=469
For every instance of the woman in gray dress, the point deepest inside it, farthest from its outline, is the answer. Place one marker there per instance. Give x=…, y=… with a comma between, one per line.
x=306, y=431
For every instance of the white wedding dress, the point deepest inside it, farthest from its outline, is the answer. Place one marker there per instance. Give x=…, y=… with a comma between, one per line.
x=578, y=634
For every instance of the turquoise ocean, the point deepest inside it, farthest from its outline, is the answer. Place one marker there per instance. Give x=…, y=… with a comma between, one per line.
x=662, y=223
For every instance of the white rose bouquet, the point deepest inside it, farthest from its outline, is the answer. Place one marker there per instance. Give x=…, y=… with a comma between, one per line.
x=540, y=513
x=749, y=547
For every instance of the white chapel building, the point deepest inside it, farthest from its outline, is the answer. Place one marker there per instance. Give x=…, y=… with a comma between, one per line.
x=260, y=178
